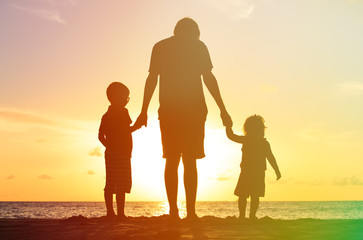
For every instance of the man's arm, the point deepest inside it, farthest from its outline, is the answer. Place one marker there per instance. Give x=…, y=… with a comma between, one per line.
x=150, y=85
x=211, y=83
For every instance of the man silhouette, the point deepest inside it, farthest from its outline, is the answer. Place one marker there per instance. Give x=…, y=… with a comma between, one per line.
x=180, y=62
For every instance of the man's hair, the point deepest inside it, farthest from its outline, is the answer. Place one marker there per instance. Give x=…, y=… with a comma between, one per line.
x=117, y=90
x=187, y=28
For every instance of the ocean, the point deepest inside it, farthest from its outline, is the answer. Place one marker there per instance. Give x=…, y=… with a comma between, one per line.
x=287, y=210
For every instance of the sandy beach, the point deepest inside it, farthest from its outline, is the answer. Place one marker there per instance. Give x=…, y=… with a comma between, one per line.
x=207, y=227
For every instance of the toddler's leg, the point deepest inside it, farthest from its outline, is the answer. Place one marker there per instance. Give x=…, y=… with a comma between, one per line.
x=255, y=202
x=242, y=203
x=109, y=203
x=120, y=201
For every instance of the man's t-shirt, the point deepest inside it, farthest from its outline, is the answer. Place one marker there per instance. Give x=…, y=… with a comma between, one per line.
x=180, y=64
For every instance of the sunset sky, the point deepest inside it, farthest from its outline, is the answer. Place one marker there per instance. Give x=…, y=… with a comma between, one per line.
x=296, y=63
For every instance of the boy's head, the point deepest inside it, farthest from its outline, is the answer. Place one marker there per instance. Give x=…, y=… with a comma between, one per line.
x=254, y=126
x=118, y=94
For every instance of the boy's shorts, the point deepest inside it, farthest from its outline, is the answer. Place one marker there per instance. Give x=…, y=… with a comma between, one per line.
x=182, y=138
x=118, y=173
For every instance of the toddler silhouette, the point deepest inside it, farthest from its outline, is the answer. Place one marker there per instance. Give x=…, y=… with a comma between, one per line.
x=255, y=150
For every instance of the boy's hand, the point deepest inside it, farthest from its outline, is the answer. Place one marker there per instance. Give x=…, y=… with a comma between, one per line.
x=278, y=175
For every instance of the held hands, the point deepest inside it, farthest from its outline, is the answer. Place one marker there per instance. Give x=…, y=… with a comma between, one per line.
x=141, y=120
x=226, y=119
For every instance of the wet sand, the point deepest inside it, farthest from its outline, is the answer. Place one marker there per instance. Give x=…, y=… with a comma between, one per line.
x=207, y=227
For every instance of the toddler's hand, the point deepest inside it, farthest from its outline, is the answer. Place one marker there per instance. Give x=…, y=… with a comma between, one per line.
x=227, y=121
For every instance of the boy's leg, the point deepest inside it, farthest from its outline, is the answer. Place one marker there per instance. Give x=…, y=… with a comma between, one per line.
x=190, y=185
x=242, y=203
x=255, y=201
x=171, y=184
x=120, y=201
x=109, y=203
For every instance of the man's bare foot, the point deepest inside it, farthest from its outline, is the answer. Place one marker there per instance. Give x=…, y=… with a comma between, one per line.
x=121, y=217
x=191, y=218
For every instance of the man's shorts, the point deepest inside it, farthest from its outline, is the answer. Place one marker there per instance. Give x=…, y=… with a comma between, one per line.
x=182, y=138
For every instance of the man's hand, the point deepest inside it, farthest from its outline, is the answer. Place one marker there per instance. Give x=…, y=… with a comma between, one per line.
x=141, y=120
x=278, y=174
x=226, y=119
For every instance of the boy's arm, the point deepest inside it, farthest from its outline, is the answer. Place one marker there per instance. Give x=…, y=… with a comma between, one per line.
x=271, y=159
x=234, y=137
x=134, y=127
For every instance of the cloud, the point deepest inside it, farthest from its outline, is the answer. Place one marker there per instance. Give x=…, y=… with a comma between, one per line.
x=318, y=132
x=226, y=176
x=351, y=88
x=73, y=2
x=10, y=177
x=267, y=88
x=239, y=9
x=354, y=1
x=96, y=152
x=312, y=133
x=90, y=172
x=45, y=177
x=17, y=116
x=59, y=2
x=51, y=15
x=347, y=181
x=271, y=179
x=223, y=178
x=17, y=120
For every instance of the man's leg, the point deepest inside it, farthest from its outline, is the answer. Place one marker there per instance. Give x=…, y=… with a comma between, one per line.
x=171, y=184
x=190, y=184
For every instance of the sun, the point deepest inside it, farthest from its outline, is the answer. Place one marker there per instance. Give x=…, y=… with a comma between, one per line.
x=217, y=168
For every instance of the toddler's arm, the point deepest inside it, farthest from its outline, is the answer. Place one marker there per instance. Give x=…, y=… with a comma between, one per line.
x=234, y=137
x=271, y=159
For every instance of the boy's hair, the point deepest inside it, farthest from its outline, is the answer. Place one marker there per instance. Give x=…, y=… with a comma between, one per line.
x=254, y=125
x=187, y=28
x=117, y=90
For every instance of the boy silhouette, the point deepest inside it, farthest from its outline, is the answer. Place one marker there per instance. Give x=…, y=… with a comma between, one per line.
x=115, y=134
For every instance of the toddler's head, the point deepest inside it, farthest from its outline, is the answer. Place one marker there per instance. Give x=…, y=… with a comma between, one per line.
x=118, y=94
x=254, y=126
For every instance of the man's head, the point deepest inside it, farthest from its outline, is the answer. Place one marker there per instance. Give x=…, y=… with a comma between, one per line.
x=187, y=28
